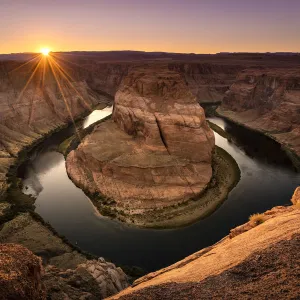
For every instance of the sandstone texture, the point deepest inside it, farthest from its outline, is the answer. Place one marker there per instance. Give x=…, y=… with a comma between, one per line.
x=157, y=150
x=20, y=274
x=296, y=197
x=35, y=100
x=267, y=100
x=67, y=273
x=207, y=81
x=260, y=262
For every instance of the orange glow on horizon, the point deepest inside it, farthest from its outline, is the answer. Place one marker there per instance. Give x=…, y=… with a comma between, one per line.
x=45, y=51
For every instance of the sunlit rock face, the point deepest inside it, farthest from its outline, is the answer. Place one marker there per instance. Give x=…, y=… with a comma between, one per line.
x=157, y=150
x=36, y=99
x=268, y=252
x=267, y=100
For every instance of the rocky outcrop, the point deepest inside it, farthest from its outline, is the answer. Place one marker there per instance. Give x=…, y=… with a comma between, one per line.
x=296, y=197
x=95, y=279
x=145, y=158
x=20, y=274
x=267, y=100
x=67, y=272
x=262, y=261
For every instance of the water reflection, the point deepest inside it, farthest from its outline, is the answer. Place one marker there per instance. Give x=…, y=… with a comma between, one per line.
x=255, y=145
x=97, y=115
x=263, y=184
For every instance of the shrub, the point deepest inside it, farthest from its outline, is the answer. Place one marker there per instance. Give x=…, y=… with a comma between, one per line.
x=257, y=219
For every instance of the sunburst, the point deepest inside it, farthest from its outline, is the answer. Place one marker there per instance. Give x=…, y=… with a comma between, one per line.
x=45, y=51
x=38, y=67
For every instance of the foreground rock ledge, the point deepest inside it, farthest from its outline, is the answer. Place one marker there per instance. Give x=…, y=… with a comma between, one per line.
x=156, y=152
x=66, y=273
x=253, y=262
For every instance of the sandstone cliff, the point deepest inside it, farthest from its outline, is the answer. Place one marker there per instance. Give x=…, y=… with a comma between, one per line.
x=267, y=100
x=145, y=158
x=258, y=260
x=35, y=102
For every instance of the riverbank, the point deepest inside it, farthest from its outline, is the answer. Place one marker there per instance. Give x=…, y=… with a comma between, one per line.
x=233, y=117
x=226, y=175
x=12, y=183
x=14, y=202
x=63, y=261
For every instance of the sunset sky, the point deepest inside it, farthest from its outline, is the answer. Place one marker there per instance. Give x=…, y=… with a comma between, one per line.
x=199, y=26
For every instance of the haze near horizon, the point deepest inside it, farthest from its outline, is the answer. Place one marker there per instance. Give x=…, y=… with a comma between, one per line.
x=170, y=26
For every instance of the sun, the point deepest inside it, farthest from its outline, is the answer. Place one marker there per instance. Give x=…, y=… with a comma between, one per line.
x=45, y=51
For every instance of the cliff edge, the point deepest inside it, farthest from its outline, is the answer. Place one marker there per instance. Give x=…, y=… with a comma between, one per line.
x=267, y=100
x=259, y=259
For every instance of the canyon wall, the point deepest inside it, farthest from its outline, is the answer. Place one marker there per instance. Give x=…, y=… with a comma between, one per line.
x=35, y=101
x=267, y=100
x=208, y=82
x=145, y=158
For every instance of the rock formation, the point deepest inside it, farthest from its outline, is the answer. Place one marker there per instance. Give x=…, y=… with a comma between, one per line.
x=207, y=81
x=260, y=262
x=66, y=271
x=20, y=274
x=40, y=107
x=33, y=103
x=157, y=150
x=267, y=100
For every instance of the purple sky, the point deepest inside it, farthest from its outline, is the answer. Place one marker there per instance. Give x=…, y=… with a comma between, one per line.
x=200, y=26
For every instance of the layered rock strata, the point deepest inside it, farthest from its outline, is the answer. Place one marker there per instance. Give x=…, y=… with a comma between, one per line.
x=36, y=99
x=207, y=81
x=267, y=100
x=157, y=150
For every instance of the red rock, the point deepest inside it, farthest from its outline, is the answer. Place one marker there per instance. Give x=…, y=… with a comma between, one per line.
x=267, y=100
x=146, y=158
x=20, y=274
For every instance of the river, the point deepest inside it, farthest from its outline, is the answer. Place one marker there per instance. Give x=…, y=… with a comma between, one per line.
x=267, y=179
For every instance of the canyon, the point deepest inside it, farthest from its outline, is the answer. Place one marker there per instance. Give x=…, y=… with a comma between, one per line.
x=144, y=158
x=258, y=259
x=148, y=148
x=267, y=100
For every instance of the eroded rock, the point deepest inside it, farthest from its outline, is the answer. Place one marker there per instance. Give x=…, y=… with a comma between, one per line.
x=20, y=274
x=157, y=150
x=267, y=100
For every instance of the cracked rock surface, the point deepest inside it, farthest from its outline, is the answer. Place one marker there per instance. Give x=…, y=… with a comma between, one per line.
x=157, y=150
